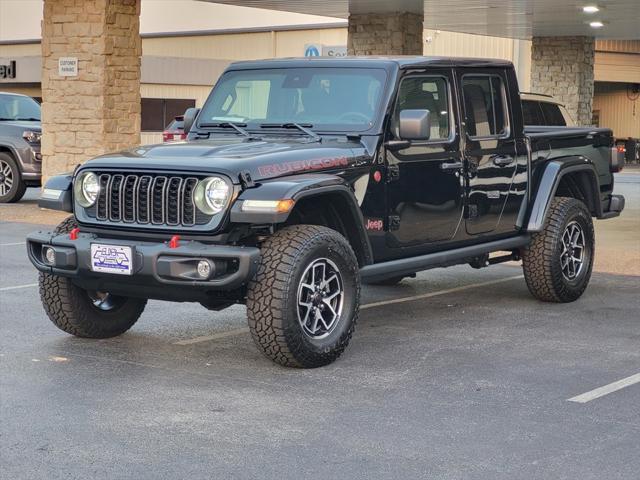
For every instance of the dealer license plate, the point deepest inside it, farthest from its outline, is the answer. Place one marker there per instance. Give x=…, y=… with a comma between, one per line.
x=111, y=259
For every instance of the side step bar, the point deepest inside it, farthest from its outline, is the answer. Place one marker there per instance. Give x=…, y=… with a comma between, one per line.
x=406, y=266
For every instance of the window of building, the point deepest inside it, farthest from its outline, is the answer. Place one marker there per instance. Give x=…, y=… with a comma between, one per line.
x=485, y=106
x=426, y=93
x=157, y=113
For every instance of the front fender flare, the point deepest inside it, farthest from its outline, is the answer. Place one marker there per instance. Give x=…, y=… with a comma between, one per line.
x=548, y=185
x=57, y=194
x=298, y=187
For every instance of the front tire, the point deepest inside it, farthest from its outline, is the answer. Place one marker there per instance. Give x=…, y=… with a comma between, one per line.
x=12, y=187
x=85, y=313
x=303, y=302
x=558, y=262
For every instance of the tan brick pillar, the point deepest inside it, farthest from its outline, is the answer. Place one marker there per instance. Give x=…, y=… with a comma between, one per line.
x=385, y=34
x=97, y=111
x=563, y=67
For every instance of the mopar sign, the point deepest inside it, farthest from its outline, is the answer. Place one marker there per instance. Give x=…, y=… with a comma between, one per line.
x=318, y=50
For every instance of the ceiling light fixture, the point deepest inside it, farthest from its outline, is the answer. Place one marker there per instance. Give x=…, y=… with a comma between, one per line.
x=596, y=24
x=590, y=9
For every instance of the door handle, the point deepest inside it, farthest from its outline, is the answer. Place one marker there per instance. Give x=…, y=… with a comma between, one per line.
x=500, y=161
x=451, y=165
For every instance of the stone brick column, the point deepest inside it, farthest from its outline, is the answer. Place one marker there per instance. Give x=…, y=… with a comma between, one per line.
x=97, y=111
x=563, y=67
x=385, y=34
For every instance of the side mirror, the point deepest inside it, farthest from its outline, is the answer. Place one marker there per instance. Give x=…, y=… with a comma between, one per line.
x=414, y=125
x=189, y=117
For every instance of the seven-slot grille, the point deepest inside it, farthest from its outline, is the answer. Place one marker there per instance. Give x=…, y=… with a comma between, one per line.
x=147, y=199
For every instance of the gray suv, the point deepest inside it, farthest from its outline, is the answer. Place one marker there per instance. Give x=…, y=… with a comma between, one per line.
x=20, y=158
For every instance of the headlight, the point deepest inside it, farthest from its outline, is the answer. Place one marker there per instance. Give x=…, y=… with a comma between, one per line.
x=32, y=137
x=86, y=189
x=211, y=195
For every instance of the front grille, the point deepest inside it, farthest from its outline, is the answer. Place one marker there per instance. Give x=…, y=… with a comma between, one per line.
x=147, y=200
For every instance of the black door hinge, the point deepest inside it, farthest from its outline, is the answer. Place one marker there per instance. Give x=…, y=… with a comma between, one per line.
x=393, y=173
x=246, y=180
x=394, y=222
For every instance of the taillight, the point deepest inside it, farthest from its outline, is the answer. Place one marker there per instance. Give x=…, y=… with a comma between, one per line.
x=617, y=158
x=167, y=136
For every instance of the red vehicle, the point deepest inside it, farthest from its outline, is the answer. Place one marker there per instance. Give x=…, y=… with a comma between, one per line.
x=175, y=130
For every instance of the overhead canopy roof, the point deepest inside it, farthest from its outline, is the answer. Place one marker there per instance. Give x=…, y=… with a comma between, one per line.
x=503, y=18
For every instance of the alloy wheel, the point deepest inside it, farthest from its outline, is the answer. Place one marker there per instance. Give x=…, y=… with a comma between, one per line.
x=6, y=178
x=320, y=298
x=572, y=257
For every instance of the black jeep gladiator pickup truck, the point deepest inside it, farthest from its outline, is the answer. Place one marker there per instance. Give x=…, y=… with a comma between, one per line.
x=302, y=178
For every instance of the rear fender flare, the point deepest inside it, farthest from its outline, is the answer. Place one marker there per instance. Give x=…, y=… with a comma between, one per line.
x=548, y=184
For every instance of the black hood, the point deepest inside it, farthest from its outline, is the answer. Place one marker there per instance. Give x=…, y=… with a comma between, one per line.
x=231, y=156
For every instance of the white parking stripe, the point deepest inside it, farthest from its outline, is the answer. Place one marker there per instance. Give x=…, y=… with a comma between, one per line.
x=12, y=244
x=215, y=336
x=240, y=331
x=17, y=287
x=439, y=292
x=606, y=390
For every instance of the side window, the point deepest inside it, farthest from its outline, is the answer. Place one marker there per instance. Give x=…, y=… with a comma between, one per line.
x=484, y=105
x=426, y=93
x=532, y=113
x=552, y=114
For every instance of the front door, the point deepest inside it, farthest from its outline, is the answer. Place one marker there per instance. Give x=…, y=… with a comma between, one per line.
x=424, y=191
x=490, y=152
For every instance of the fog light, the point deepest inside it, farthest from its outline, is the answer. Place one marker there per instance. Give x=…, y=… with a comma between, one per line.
x=50, y=256
x=204, y=269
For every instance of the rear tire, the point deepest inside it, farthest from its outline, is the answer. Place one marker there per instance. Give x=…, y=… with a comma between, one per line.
x=83, y=313
x=303, y=303
x=12, y=187
x=558, y=262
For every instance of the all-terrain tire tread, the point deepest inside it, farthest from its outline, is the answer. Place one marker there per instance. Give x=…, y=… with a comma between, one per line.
x=538, y=256
x=269, y=290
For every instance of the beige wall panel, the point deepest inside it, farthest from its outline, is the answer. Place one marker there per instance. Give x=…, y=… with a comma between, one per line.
x=197, y=92
x=466, y=45
x=245, y=46
x=291, y=43
x=24, y=50
x=617, y=111
x=622, y=46
x=150, y=138
x=617, y=67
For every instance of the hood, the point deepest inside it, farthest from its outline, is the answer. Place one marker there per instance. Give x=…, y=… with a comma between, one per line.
x=22, y=125
x=231, y=156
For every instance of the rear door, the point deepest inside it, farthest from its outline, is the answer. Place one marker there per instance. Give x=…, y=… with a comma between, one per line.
x=490, y=151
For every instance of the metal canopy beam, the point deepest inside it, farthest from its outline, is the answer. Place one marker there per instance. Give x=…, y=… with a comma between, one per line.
x=505, y=18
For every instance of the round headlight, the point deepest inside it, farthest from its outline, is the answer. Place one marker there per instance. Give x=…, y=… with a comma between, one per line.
x=211, y=195
x=86, y=189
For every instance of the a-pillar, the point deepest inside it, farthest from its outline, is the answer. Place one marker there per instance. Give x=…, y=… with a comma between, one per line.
x=98, y=110
x=563, y=67
x=385, y=34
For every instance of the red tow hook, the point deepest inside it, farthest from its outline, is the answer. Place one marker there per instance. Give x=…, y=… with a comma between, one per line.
x=73, y=234
x=174, y=242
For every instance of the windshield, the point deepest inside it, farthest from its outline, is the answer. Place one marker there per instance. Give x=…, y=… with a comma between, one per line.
x=323, y=98
x=16, y=107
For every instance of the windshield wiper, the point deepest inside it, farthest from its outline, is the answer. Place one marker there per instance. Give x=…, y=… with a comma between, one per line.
x=304, y=128
x=236, y=126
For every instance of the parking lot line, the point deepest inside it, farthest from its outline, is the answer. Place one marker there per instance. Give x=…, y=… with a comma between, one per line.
x=239, y=331
x=17, y=287
x=12, y=244
x=439, y=292
x=215, y=336
x=606, y=390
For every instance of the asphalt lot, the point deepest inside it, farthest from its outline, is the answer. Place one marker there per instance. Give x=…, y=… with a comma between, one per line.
x=468, y=377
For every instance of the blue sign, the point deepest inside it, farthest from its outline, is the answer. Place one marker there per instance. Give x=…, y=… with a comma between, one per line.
x=311, y=51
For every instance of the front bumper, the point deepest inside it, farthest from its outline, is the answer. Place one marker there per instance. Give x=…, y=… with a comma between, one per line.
x=158, y=271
